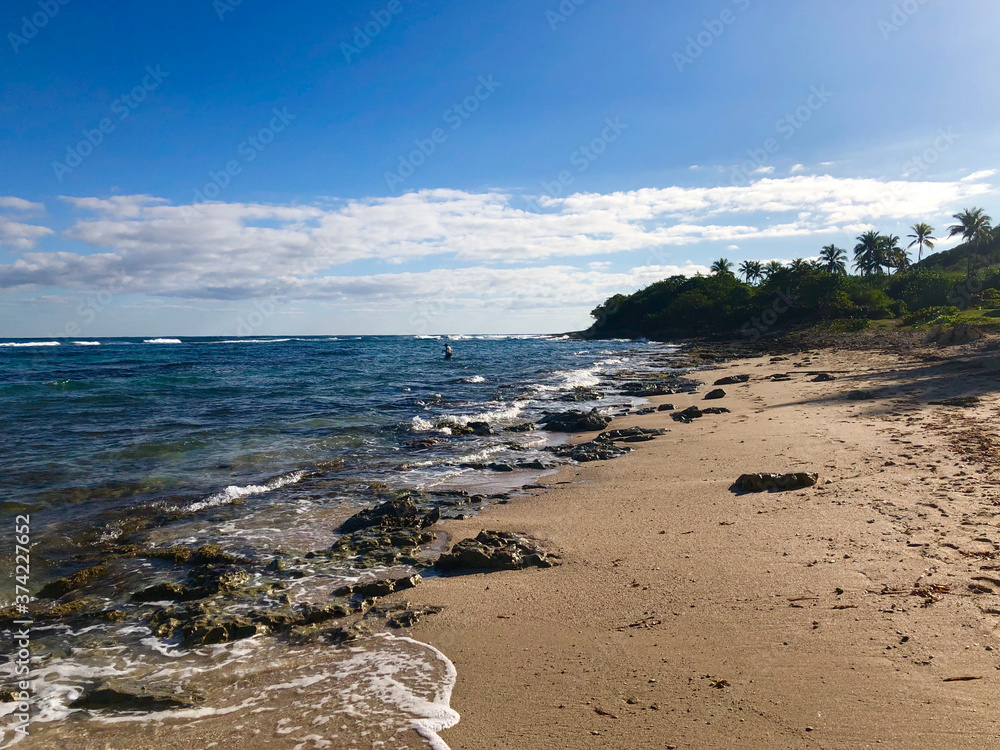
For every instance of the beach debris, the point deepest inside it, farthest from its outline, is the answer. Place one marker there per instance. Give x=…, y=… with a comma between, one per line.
x=779, y=377
x=963, y=401
x=601, y=712
x=495, y=550
x=716, y=394
x=720, y=684
x=733, y=380
x=762, y=482
x=126, y=695
x=823, y=377
x=575, y=421
x=861, y=395
x=961, y=679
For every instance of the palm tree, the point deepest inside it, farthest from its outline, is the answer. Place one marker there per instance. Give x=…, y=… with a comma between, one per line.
x=721, y=267
x=892, y=255
x=752, y=270
x=922, y=238
x=799, y=265
x=833, y=259
x=973, y=224
x=772, y=268
x=868, y=254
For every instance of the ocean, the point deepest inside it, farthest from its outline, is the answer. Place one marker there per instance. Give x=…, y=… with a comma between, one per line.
x=118, y=447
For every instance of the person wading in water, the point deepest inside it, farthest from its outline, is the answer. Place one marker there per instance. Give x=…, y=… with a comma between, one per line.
x=448, y=353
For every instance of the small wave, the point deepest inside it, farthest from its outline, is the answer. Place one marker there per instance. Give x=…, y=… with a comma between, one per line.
x=235, y=492
x=252, y=341
x=474, y=379
x=430, y=338
x=161, y=341
x=87, y=343
x=31, y=343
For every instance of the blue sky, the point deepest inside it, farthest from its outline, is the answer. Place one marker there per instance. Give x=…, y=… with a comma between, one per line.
x=461, y=167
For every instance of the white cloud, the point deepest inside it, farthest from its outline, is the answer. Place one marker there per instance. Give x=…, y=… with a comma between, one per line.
x=19, y=204
x=241, y=250
x=982, y=175
x=764, y=170
x=797, y=168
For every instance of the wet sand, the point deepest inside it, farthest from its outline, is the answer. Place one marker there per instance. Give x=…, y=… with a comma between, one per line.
x=685, y=615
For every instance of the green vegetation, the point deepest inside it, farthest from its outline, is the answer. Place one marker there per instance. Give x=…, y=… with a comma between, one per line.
x=959, y=285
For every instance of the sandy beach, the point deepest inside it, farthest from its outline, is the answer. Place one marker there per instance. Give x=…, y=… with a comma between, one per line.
x=861, y=612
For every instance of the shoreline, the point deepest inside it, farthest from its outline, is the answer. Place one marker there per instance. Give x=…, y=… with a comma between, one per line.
x=684, y=615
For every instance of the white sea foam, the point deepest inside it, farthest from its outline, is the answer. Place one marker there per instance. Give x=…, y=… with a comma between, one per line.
x=161, y=341
x=87, y=343
x=474, y=379
x=31, y=343
x=235, y=492
x=425, y=337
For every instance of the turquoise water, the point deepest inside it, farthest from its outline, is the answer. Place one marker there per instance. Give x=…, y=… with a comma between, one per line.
x=262, y=446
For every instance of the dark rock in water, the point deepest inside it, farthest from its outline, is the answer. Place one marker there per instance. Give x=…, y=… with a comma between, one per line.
x=536, y=466
x=211, y=554
x=317, y=613
x=398, y=513
x=523, y=427
x=382, y=587
x=823, y=377
x=79, y=579
x=964, y=401
x=161, y=592
x=582, y=394
x=374, y=547
x=495, y=550
x=126, y=695
x=778, y=482
x=482, y=429
x=207, y=580
x=716, y=394
x=575, y=421
x=861, y=395
x=500, y=467
x=692, y=412
x=352, y=632
x=411, y=617
x=733, y=380
x=665, y=407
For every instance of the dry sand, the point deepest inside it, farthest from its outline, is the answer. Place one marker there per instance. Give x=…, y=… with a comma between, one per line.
x=687, y=616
